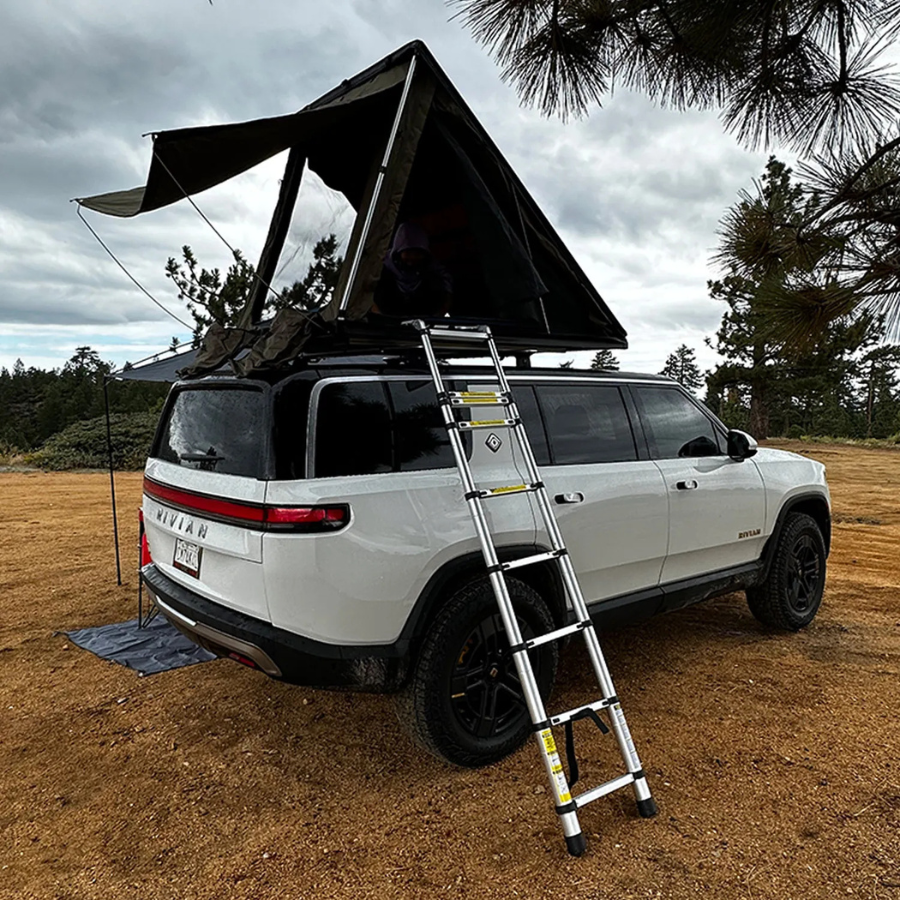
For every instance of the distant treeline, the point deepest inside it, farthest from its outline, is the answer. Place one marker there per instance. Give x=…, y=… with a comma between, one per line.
x=38, y=404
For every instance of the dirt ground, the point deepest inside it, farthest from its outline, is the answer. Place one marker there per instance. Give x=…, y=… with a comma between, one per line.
x=773, y=757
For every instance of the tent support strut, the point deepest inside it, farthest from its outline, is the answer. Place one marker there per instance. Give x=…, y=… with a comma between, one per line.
x=364, y=234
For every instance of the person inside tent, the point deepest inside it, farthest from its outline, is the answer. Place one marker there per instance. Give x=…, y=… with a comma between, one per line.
x=413, y=282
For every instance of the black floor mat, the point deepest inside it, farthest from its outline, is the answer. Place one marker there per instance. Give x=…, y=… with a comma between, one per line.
x=157, y=647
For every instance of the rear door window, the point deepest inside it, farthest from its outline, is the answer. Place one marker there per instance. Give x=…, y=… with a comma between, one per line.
x=218, y=429
x=534, y=425
x=674, y=425
x=586, y=423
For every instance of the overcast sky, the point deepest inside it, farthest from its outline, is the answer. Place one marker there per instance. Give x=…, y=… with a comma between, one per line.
x=635, y=191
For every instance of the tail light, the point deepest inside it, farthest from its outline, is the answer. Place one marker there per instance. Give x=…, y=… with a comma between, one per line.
x=146, y=558
x=307, y=518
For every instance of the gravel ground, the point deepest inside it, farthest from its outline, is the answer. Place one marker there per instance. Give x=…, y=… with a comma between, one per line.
x=773, y=757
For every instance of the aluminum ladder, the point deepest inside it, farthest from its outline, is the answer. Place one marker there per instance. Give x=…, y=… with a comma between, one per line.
x=450, y=402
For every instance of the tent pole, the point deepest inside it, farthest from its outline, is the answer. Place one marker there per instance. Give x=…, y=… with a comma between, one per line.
x=364, y=234
x=112, y=480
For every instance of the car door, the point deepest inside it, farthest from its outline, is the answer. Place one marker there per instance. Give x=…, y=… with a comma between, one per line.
x=717, y=505
x=610, y=504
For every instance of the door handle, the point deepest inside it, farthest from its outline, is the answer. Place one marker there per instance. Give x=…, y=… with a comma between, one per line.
x=573, y=497
x=688, y=485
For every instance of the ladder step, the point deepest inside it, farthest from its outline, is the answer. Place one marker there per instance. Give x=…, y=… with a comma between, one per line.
x=486, y=423
x=477, y=398
x=453, y=334
x=487, y=493
x=563, y=717
x=565, y=631
x=602, y=790
x=530, y=560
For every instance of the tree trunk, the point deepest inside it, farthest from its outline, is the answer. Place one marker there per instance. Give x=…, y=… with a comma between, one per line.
x=759, y=414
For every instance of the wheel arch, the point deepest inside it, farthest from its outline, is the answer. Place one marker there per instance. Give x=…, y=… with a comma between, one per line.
x=813, y=505
x=455, y=573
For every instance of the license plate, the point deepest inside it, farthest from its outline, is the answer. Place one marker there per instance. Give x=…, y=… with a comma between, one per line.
x=187, y=557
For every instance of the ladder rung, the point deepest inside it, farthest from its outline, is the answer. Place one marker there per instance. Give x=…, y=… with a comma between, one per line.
x=477, y=398
x=565, y=631
x=530, y=560
x=486, y=423
x=602, y=790
x=563, y=717
x=487, y=493
x=454, y=335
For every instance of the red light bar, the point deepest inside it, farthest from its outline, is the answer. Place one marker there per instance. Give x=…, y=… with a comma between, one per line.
x=251, y=515
x=213, y=506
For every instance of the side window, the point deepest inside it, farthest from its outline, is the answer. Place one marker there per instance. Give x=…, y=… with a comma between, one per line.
x=291, y=406
x=675, y=427
x=353, y=430
x=586, y=423
x=420, y=438
x=367, y=427
x=531, y=419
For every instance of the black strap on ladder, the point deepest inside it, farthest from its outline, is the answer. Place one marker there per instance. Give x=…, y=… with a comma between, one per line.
x=571, y=759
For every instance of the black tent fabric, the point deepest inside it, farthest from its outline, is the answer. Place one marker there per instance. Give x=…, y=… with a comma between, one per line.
x=400, y=143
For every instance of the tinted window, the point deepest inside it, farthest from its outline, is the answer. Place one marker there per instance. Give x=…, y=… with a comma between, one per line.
x=674, y=425
x=289, y=432
x=219, y=430
x=353, y=430
x=586, y=423
x=534, y=425
x=420, y=438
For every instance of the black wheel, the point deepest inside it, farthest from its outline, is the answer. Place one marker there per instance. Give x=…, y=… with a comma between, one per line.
x=463, y=701
x=790, y=596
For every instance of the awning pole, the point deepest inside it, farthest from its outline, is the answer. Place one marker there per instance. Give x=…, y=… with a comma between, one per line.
x=112, y=480
x=378, y=184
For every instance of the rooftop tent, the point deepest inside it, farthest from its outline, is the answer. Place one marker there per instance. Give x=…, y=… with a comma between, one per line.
x=399, y=142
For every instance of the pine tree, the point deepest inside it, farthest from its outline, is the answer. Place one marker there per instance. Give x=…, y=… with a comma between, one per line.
x=605, y=359
x=682, y=366
x=212, y=297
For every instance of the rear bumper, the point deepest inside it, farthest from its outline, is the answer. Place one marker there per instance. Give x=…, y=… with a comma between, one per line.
x=279, y=653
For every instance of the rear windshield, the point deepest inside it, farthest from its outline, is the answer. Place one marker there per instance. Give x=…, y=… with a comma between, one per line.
x=215, y=429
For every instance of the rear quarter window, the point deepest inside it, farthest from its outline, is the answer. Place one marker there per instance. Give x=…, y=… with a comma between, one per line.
x=368, y=427
x=215, y=429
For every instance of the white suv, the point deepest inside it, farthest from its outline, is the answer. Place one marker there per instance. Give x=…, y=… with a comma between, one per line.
x=312, y=525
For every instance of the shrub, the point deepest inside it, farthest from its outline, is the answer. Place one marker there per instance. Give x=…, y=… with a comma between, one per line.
x=83, y=444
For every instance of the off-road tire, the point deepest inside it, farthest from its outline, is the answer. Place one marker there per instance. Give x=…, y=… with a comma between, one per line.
x=464, y=663
x=790, y=596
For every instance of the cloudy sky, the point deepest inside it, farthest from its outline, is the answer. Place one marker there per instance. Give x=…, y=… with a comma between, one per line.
x=636, y=191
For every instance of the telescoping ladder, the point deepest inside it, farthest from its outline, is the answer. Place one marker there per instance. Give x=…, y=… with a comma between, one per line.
x=450, y=402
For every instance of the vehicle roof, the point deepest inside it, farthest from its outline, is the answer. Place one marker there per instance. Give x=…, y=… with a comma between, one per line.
x=414, y=365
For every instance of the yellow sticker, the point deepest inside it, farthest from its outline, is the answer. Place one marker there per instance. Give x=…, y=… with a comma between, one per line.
x=547, y=738
x=508, y=490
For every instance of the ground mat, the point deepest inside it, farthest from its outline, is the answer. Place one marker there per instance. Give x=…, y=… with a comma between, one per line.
x=157, y=647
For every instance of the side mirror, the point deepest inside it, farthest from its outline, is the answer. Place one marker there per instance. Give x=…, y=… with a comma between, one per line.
x=740, y=445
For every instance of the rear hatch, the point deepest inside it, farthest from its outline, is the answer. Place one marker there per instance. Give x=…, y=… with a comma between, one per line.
x=204, y=487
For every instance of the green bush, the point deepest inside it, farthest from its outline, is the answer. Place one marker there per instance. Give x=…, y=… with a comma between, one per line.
x=83, y=444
